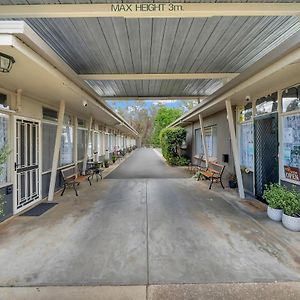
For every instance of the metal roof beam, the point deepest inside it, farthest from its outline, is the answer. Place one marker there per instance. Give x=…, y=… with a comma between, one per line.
x=149, y=10
x=158, y=76
x=200, y=97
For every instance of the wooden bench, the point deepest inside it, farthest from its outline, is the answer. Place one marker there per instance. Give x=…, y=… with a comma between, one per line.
x=214, y=172
x=72, y=177
x=193, y=167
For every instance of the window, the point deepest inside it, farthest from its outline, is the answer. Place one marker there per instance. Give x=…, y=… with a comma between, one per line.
x=245, y=112
x=97, y=149
x=3, y=143
x=3, y=101
x=49, y=114
x=110, y=143
x=81, y=143
x=81, y=123
x=291, y=99
x=198, y=142
x=247, y=145
x=267, y=104
x=49, y=134
x=90, y=145
x=210, y=135
x=66, y=147
x=291, y=147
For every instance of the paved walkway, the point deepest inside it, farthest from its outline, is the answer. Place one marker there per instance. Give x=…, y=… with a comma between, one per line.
x=145, y=163
x=146, y=231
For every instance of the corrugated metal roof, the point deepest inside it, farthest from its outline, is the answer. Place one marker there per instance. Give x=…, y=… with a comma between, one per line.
x=153, y=88
x=117, y=45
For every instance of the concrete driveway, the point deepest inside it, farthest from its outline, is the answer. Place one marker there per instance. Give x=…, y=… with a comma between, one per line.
x=138, y=227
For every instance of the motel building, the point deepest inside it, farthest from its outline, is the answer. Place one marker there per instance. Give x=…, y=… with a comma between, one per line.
x=251, y=125
x=49, y=120
x=53, y=113
x=148, y=228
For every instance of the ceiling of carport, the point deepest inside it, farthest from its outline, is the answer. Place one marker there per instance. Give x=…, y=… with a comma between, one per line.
x=117, y=45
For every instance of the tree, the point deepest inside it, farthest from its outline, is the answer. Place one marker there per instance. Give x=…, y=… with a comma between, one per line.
x=138, y=114
x=188, y=104
x=171, y=140
x=164, y=117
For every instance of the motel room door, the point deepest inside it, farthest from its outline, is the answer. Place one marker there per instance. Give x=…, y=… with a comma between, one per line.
x=266, y=152
x=27, y=163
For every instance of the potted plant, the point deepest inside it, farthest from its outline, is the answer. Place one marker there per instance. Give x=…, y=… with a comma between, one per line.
x=291, y=211
x=113, y=158
x=106, y=163
x=232, y=182
x=274, y=196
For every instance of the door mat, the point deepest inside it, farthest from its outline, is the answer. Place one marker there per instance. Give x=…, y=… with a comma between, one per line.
x=254, y=205
x=38, y=210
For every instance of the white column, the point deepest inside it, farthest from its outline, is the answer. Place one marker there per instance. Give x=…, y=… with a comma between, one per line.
x=280, y=137
x=89, y=133
x=19, y=100
x=60, y=121
x=203, y=139
x=235, y=151
x=75, y=140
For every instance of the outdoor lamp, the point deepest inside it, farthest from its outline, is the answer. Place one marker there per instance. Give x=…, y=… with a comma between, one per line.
x=183, y=145
x=6, y=62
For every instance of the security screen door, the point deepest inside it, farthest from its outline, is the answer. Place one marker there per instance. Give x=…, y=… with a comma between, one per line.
x=27, y=167
x=266, y=152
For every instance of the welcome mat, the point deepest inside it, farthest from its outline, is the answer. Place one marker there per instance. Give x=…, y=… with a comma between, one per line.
x=254, y=205
x=38, y=210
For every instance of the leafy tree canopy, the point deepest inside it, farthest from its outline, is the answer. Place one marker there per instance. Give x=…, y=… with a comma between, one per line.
x=164, y=117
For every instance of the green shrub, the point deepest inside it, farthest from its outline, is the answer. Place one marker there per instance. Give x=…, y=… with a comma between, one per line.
x=199, y=176
x=274, y=195
x=171, y=139
x=291, y=203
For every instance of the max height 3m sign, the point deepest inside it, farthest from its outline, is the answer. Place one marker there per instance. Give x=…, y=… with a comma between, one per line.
x=146, y=7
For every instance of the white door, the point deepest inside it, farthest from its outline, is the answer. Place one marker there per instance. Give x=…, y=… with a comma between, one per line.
x=27, y=163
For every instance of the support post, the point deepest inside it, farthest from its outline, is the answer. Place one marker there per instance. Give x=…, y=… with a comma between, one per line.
x=87, y=145
x=235, y=151
x=60, y=121
x=19, y=100
x=75, y=135
x=203, y=140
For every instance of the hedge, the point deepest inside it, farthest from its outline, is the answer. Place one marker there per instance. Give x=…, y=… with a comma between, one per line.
x=170, y=140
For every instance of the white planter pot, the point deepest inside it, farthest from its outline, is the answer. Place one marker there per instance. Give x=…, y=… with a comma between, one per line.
x=274, y=214
x=292, y=223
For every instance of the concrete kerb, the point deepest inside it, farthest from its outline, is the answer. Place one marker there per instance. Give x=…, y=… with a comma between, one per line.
x=74, y=293
x=223, y=291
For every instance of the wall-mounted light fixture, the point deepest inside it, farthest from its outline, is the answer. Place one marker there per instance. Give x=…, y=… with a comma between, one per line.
x=6, y=62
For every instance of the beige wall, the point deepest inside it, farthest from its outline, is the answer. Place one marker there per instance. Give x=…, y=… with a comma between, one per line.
x=223, y=139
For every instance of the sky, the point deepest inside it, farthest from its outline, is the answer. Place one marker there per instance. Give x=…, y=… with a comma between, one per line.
x=131, y=104
x=147, y=103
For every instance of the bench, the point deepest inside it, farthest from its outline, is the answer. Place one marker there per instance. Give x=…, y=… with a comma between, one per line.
x=214, y=172
x=192, y=167
x=72, y=177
